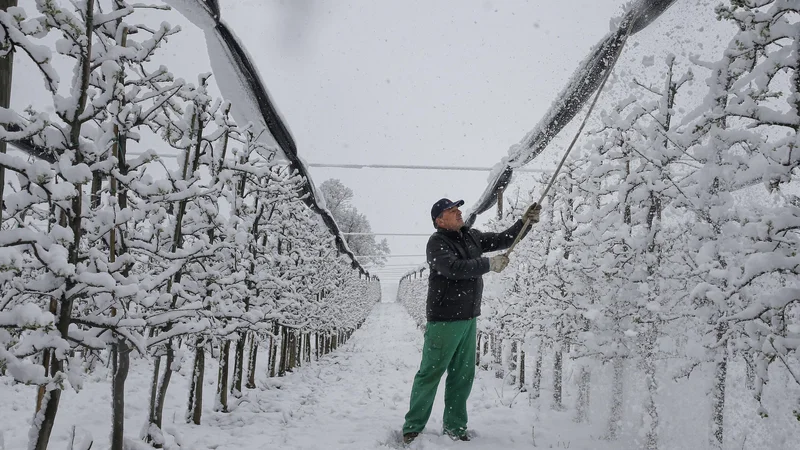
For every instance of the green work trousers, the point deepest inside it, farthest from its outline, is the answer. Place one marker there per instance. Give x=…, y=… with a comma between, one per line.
x=448, y=346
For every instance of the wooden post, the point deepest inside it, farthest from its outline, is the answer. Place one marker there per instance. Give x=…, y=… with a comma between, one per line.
x=308, y=347
x=6, y=70
x=238, y=364
x=251, y=362
x=500, y=202
x=512, y=362
x=282, y=365
x=478, y=350
x=291, y=348
x=222, y=377
x=299, y=348
x=273, y=349
x=195, y=412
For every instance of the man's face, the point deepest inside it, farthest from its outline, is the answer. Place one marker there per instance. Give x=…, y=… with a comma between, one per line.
x=451, y=219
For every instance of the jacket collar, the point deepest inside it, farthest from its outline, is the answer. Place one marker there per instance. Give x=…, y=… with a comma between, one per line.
x=452, y=234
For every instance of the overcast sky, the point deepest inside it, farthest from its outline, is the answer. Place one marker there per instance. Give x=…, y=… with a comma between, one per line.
x=414, y=82
x=417, y=82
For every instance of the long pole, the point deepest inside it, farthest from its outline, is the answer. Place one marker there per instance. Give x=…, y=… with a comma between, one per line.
x=6, y=68
x=577, y=134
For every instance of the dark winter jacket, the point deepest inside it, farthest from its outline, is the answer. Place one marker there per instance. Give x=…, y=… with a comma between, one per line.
x=455, y=284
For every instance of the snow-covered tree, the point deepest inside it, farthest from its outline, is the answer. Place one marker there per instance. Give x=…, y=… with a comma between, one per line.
x=103, y=254
x=338, y=200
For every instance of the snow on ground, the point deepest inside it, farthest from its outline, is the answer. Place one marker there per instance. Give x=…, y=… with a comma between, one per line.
x=355, y=398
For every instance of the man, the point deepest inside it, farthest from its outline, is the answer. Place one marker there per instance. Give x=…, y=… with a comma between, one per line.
x=454, y=301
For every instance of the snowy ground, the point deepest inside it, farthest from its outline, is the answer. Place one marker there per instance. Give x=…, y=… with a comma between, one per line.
x=354, y=398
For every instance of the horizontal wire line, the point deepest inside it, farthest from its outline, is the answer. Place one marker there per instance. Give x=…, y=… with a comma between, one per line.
x=387, y=234
x=379, y=166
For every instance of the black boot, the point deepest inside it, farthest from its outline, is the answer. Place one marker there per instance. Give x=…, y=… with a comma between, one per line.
x=409, y=437
x=457, y=437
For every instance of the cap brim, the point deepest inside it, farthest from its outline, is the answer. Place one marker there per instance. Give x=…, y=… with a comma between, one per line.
x=455, y=204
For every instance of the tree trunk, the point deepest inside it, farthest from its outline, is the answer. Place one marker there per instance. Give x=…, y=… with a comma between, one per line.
x=157, y=414
x=558, y=368
x=121, y=354
x=582, y=405
x=164, y=384
x=158, y=392
x=617, y=392
x=273, y=351
x=750, y=370
x=222, y=377
x=497, y=356
x=485, y=352
x=43, y=389
x=43, y=426
x=718, y=390
x=293, y=346
x=536, y=383
x=46, y=354
x=49, y=408
x=195, y=411
x=651, y=410
x=521, y=386
x=512, y=362
x=153, y=391
x=282, y=364
x=273, y=355
x=46, y=417
x=251, y=362
x=238, y=365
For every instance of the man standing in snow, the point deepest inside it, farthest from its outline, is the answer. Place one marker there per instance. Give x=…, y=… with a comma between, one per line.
x=454, y=301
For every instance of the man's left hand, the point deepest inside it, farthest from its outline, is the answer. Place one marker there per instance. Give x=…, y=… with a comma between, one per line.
x=532, y=214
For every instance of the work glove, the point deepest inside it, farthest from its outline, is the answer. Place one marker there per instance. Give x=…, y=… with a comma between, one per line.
x=532, y=214
x=497, y=263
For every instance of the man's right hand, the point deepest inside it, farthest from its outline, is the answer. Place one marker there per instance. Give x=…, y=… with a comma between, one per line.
x=497, y=263
x=532, y=213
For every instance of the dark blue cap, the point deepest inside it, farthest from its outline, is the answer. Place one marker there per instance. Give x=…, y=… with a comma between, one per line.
x=442, y=205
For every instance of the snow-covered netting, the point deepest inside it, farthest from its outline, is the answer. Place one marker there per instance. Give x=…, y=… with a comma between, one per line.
x=241, y=84
x=569, y=102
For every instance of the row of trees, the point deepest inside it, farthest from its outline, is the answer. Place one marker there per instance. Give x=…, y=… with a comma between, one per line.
x=671, y=244
x=108, y=251
x=353, y=224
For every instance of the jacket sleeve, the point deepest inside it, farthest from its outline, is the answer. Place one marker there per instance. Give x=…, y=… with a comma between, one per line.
x=445, y=260
x=502, y=240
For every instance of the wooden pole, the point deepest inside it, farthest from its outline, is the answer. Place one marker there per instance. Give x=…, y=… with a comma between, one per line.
x=500, y=202
x=6, y=70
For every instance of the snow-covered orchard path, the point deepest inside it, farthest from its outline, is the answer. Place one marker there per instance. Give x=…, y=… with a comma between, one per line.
x=354, y=398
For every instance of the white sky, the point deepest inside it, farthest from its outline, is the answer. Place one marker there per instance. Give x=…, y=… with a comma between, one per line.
x=418, y=82
x=414, y=82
